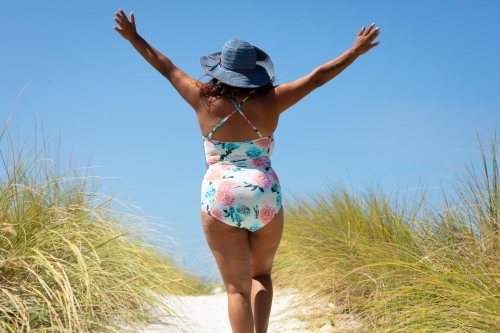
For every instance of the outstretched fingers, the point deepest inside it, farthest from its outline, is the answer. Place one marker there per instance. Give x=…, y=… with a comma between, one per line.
x=365, y=39
x=126, y=28
x=121, y=14
x=119, y=20
x=368, y=32
x=372, y=36
x=370, y=29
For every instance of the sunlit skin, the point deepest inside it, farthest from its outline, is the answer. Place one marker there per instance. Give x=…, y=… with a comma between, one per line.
x=244, y=258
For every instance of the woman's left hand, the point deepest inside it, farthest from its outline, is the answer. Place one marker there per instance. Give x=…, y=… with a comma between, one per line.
x=365, y=38
x=126, y=28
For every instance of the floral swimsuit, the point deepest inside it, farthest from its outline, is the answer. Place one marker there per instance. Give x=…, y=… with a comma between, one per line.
x=240, y=188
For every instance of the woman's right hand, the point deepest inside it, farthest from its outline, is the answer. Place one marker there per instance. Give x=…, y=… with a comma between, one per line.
x=126, y=28
x=365, y=38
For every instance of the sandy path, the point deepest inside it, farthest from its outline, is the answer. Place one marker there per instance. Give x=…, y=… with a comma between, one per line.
x=208, y=314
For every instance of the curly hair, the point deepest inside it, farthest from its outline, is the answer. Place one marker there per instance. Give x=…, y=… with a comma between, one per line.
x=218, y=89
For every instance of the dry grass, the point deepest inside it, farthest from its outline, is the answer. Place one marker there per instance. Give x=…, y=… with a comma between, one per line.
x=401, y=265
x=69, y=260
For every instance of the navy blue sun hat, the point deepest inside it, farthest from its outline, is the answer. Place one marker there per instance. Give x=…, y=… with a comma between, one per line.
x=239, y=65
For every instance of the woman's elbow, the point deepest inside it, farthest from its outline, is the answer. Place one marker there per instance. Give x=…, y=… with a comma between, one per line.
x=317, y=81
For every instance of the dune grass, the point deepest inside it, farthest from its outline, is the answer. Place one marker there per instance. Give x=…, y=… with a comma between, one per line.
x=71, y=259
x=399, y=265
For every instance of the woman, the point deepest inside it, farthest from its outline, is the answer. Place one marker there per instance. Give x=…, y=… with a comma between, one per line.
x=238, y=111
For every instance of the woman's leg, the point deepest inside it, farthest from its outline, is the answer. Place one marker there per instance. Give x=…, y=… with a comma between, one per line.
x=263, y=246
x=231, y=249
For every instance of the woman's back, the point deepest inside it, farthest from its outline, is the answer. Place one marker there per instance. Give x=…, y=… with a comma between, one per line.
x=236, y=128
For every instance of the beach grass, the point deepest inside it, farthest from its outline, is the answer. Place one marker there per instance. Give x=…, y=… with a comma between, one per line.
x=404, y=264
x=72, y=259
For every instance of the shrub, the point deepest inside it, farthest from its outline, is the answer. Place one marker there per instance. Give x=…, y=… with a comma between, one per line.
x=71, y=259
x=402, y=266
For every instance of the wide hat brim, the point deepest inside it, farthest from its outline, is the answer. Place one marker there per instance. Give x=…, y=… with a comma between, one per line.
x=257, y=77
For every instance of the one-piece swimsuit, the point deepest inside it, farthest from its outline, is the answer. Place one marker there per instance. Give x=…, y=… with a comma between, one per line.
x=239, y=187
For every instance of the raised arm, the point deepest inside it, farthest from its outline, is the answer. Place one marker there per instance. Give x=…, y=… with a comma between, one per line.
x=185, y=85
x=288, y=94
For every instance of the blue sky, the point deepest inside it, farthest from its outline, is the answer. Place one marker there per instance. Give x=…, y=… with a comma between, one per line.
x=405, y=114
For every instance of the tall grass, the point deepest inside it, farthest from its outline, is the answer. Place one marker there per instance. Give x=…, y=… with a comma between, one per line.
x=402, y=265
x=69, y=260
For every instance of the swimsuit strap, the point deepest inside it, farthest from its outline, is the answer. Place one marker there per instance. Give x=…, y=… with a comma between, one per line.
x=243, y=115
x=220, y=123
x=237, y=108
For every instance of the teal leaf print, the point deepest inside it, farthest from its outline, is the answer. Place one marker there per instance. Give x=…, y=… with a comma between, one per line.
x=237, y=218
x=243, y=210
x=254, y=187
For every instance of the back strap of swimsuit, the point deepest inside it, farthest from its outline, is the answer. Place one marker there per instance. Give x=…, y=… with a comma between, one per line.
x=237, y=108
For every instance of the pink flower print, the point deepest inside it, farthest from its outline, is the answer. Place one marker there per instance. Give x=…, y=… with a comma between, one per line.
x=259, y=162
x=212, y=174
x=216, y=214
x=227, y=166
x=225, y=197
x=225, y=185
x=261, y=180
x=212, y=159
x=264, y=142
x=208, y=144
x=266, y=214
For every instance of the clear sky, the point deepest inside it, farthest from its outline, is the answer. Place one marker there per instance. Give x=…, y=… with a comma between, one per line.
x=406, y=113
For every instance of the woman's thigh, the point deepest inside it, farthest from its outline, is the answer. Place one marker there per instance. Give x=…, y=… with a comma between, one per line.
x=231, y=249
x=264, y=244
